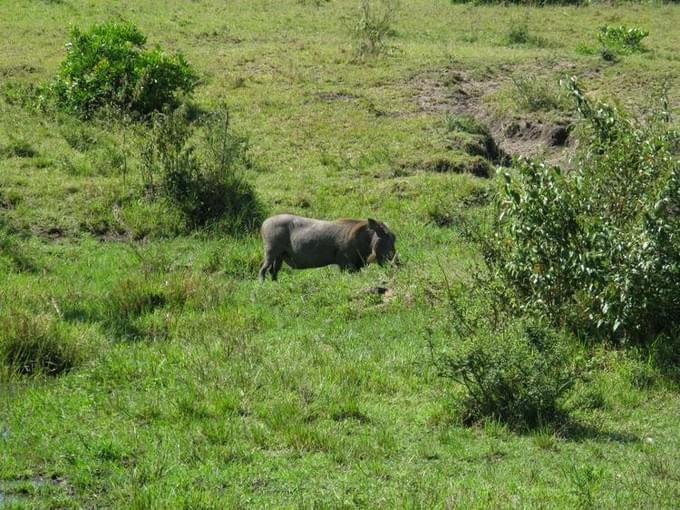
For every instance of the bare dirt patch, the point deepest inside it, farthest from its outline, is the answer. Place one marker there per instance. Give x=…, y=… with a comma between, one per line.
x=335, y=96
x=386, y=293
x=20, y=70
x=478, y=166
x=51, y=232
x=456, y=91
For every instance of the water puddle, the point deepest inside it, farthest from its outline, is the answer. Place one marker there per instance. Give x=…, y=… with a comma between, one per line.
x=6, y=500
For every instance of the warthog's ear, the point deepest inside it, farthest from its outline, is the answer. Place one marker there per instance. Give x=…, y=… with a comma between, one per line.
x=374, y=225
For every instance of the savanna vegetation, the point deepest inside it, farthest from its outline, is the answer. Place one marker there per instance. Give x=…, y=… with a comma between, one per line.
x=523, y=353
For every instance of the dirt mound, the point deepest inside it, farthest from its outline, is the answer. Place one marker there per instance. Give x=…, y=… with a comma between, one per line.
x=529, y=138
x=460, y=93
x=474, y=138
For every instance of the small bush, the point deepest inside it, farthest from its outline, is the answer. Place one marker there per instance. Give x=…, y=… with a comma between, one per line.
x=107, y=66
x=516, y=373
x=373, y=26
x=622, y=39
x=37, y=344
x=204, y=181
x=598, y=248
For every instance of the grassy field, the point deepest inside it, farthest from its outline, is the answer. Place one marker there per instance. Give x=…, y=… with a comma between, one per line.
x=311, y=391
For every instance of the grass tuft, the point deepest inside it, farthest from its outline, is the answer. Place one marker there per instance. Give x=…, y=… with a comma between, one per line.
x=37, y=344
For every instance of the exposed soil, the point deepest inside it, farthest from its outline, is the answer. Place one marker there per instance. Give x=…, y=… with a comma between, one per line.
x=456, y=91
x=335, y=96
x=478, y=167
x=52, y=233
x=18, y=70
x=386, y=292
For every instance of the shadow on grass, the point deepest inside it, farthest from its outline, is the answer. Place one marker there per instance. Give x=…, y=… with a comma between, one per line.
x=119, y=327
x=574, y=431
x=78, y=314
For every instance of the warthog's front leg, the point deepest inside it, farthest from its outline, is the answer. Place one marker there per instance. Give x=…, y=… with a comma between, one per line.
x=349, y=267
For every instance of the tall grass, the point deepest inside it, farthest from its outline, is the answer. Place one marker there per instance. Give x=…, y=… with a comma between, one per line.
x=37, y=344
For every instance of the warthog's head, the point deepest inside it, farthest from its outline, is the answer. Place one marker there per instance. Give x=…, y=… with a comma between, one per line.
x=382, y=242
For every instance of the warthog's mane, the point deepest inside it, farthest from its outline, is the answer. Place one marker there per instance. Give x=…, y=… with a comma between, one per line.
x=355, y=226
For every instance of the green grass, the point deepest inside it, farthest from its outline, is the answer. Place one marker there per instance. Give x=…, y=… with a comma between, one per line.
x=195, y=386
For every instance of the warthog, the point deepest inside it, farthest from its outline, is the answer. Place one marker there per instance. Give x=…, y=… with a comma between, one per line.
x=305, y=243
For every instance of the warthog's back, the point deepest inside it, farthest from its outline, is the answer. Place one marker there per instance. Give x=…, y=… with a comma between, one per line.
x=306, y=242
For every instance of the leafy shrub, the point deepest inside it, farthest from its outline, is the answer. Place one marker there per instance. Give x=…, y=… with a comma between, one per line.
x=516, y=371
x=205, y=181
x=622, y=39
x=108, y=66
x=373, y=26
x=598, y=248
x=33, y=344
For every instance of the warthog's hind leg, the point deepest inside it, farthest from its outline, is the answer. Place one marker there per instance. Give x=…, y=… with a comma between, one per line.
x=275, y=267
x=266, y=264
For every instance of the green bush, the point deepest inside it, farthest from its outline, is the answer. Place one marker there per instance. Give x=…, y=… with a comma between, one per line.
x=516, y=373
x=622, y=39
x=203, y=180
x=597, y=248
x=37, y=344
x=108, y=66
